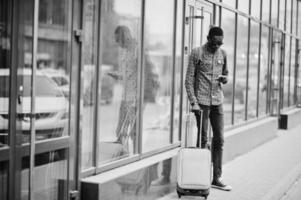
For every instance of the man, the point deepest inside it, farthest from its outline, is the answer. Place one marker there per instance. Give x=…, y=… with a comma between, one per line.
x=207, y=70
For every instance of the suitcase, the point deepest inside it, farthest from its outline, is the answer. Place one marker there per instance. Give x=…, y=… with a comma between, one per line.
x=194, y=167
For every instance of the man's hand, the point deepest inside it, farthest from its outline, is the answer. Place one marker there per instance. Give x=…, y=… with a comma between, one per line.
x=114, y=75
x=195, y=107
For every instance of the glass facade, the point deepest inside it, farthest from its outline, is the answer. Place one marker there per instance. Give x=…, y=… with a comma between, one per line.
x=158, y=47
x=89, y=87
x=119, y=72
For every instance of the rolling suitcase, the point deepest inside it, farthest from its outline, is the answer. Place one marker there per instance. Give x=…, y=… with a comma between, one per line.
x=194, y=167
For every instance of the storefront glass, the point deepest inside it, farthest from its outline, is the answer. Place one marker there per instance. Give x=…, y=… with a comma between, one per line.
x=241, y=69
x=286, y=72
x=228, y=21
x=262, y=109
x=88, y=82
x=158, y=45
x=265, y=11
x=253, y=70
x=52, y=85
x=118, y=108
x=243, y=5
x=274, y=13
x=255, y=8
x=292, y=73
x=178, y=67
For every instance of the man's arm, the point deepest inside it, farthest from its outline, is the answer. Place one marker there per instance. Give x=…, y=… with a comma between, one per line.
x=190, y=76
x=225, y=71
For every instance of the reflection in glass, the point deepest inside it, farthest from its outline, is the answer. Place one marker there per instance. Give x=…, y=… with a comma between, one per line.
x=253, y=70
x=52, y=76
x=50, y=175
x=281, y=14
x=243, y=5
x=274, y=13
x=231, y=3
x=292, y=73
x=287, y=63
x=255, y=8
x=228, y=19
x=178, y=66
x=52, y=96
x=119, y=79
x=3, y=180
x=294, y=16
x=265, y=11
x=88, y=82
x=158, y=61
x=288, y=15
x=241, y=69
x=197, y=34
x=25, y=40
x=4, y=65
x=263, y=71
x=151, y=182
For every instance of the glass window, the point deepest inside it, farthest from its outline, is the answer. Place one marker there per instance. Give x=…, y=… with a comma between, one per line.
x=3, y=179
x=51, y=99
x=274, y=13
x=118, y=91
x=264, y=55
x=88, y=81
x=253, y=70
x=265, y=11
x=231, y=3
x=4, y=70
x=288, y=15
x=255, y=8
x=197, y=35
x=286, y=71
x=158, y=73
x=228, y=25
x=241, y=69
x=299, y=19
x=178, y=67
x=243, y=5
x=25, y=40
x=294, y=16
x=281, y=13
x=52, y=61
x=292, y=73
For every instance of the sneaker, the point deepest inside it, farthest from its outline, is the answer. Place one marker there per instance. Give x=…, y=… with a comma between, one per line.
x=219, y=184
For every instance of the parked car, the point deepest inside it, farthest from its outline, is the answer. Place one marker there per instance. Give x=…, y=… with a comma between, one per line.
x=51, y=107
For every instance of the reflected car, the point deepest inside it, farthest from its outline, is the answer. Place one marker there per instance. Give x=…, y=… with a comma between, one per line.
x=51, y=107
x=60, y=78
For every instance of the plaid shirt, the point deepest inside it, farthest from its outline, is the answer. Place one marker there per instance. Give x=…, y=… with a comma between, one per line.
x=203, y=69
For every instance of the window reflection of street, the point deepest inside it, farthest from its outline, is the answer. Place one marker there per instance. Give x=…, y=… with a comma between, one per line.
x=50, y=109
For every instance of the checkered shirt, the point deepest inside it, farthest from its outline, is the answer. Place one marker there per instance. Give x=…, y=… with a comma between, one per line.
x=202, y=71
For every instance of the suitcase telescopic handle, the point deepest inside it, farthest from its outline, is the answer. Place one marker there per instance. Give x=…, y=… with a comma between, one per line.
x=200, y=113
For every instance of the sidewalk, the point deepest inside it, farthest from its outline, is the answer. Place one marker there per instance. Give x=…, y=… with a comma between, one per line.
x=264, y=173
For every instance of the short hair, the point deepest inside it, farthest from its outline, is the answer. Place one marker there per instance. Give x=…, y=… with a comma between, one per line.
x=215, y=31
x=124, y=32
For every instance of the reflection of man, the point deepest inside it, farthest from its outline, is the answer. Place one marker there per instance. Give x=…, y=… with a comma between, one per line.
x=128, y=75
x=206, y=71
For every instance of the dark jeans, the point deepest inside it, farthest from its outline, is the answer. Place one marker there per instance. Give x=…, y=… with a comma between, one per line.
x=216, y=116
